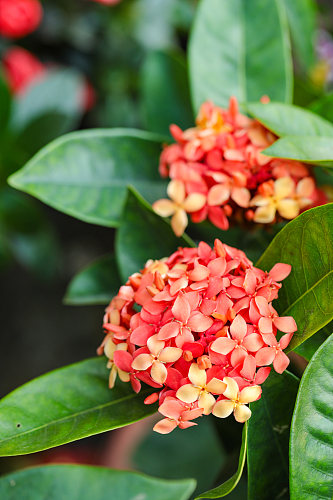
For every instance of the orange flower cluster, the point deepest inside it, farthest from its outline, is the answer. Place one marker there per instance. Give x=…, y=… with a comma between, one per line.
x=199, y=327
x=217, y=171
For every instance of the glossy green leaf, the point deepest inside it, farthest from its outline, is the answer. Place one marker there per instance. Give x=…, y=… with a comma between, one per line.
x=285, y=119
x=311, y=444
x=95, y=284
x=65, y=405
x=165, y=92
x=268, y=438
x=312, y=344
x=301, y=16
x=324, y=106
x=240, y=48
x=82, y=482
x=315, y=150
x=85, y=174
x=307, y=294
x=143, y=235
x=229, y=485
x=183, y=448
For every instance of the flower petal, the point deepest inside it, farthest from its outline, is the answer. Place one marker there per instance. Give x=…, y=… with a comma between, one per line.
x=265, y=356
x=223, y=409
x=223, y=345
x=155, y=345
x=194, y=202
x=288, y=208
x=170, y=354
x=159, y=372
x=206, y=401
x=281, y=362
x=238, y=328
x=164, y=207
x=216, y=386
x=165, y=426
x=171, y=408
x=188, y=393
x=285, y=324
x=283, y=187
x=169, y=331
x=231, y=391
x=179, y=222
x=265, y=214
x=142, y=362
x=242, y=413
x=176, y=191
x=198, y=322
x=181, y=309
x=249, y=394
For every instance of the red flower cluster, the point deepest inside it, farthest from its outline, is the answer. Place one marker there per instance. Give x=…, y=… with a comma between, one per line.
x=18, y=18
x=21, y=68
x=217, y=170
x=204, y=335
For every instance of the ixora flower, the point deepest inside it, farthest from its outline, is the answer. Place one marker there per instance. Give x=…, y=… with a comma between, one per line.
x=21, y=68
x=18, y=18
x=218, y=171
x=199, y=326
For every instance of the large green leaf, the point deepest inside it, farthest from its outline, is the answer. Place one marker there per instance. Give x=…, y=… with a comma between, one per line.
x=316, y=150
x=312, y=344
x=85, y=174
x=268, y=438
x=165, y=92
x=301, y=16
x=143, y=235
x=307, y=244
x=82, y=482
x=285, y=119
x=183, y=448
x=65, y=405
x=311, y=444
x=229, y=485
x=95, y=284
x=5, y=103
x=240, y=48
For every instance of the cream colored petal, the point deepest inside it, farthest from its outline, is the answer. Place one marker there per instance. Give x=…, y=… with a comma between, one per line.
x=216, y=386
x=179, y=222
x=170, y=354
x=124, y=376
x=223, y=409
x=194, y=202
x=188, y=393
x=122, y=346
x=109, y=349
x=164, y=207
x=305, y=187
x=288, y=208
x=265, y=215
x=249, y=394
x=112, y=376
x=231, y=391
x=176, y=191
x=207, y=402
x=242, y=413
x=158, y=372
x=142, y=362
x=197, y=376
x=155, y=345
x=283, y=187
x=259, y=201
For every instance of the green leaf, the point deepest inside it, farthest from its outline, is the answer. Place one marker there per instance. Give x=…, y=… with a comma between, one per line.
x=48, y=108
x=315, y=150
x=165, y=92
x=285, y=119
x=301, y=16
x=65, y=405
x=240, y=48
x=85, y=174
x=306, y=243
x=183, y=448
x=311, y=444
x=143, y=235
x=312, y=344
x=268, y=438
x=82, y=482
x=95, y=284
x=229, y=485
x=324, y=106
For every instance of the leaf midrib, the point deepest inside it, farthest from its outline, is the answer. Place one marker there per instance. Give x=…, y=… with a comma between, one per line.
x=73, y=415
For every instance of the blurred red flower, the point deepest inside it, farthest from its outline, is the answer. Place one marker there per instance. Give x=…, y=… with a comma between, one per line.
x=18, y=18
x=21, y=68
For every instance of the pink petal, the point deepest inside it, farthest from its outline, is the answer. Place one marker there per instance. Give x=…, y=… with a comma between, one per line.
x=185, y=337
x=169, y=331
x=179, y=284
x=174, y=378
x=123, y=360
x=249, y=368
x=265, y=356
x=171, y=408
x=285, y=324
x=238, y=356
x=199, y=273
x=238, y=328
x=186, y=425
x=280, y=362
x=223, y=345
x=253, y=342
x=279, y=272
x=181, y=309
x=217, y=266
x=262, y=305
x=284, y=340
x=262, y=375
x=198, y=322
x=141, y=334
x=165, y=426
x=265, y=325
